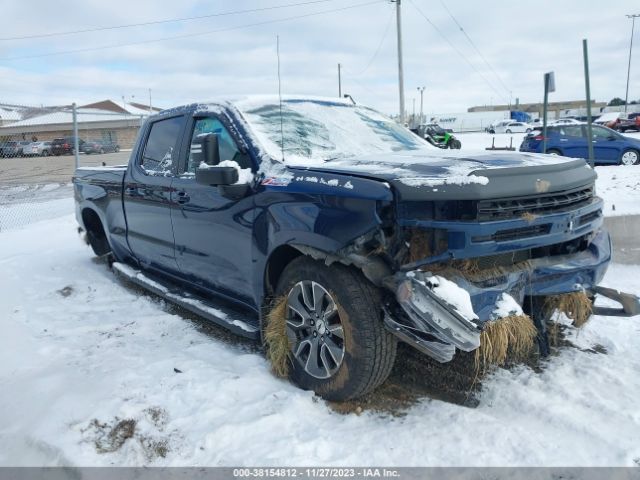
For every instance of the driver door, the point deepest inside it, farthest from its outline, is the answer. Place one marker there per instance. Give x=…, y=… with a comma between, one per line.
x=213, y=234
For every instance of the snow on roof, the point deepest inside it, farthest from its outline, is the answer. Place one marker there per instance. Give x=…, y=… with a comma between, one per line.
x=608, y=117
x=85, y=115
x=9, y=114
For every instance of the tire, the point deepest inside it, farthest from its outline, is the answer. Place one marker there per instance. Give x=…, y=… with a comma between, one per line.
x=45, y=153
x=101, y=151
x=352, y=308
x=508, y=131
x=456, y=145
x=630, y=157
x=528, y=130
x=117, y=149
x=553, y=151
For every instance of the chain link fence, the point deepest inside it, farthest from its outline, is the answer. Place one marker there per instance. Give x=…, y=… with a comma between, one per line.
x=40, y=148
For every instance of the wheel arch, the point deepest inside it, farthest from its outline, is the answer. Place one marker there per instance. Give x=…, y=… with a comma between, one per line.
x=96, y=234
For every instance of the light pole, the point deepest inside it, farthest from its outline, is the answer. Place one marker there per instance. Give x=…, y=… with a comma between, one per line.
x=633, y=24
x=421, y=90
x=400, y=68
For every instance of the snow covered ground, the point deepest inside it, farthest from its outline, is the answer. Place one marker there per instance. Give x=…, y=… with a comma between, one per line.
x=93, y=372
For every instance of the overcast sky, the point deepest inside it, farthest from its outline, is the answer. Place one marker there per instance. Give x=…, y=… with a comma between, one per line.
x=519, y=40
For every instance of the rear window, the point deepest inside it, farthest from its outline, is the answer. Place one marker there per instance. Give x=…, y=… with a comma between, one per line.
x=160, y=150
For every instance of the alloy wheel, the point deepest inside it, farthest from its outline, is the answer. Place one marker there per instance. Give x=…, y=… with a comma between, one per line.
x=314, y=329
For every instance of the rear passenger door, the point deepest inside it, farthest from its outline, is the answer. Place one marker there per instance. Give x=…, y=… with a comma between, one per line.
x=573, y=141
x=213, y=234
x=147, y=195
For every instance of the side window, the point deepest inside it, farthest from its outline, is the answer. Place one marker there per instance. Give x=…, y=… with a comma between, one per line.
x=600, y=133
x=161, y=149
x=228, y=148
x=574, y=131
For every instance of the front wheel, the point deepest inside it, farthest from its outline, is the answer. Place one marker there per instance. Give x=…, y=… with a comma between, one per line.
x=338, y=346
x=508, y=131
x=630, y=157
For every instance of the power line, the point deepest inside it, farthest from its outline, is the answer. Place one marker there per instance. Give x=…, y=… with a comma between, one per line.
x=189, y=35
x=457, y=50
x=158, y=22
x=375, y=54
x=475, y=47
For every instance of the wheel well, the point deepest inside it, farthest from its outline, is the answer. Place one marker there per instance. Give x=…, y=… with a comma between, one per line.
x=277, y=262
x=95, y=232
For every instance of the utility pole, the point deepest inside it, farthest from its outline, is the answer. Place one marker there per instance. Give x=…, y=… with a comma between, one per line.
x=421, y=90
x=339, y=81
x=400, y=69
x=585, y=54
x=633, y=24
x=549, y=86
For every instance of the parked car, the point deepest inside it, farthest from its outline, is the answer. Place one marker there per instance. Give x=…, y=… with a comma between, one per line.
x=498, y=125
x=328, y=252
x=514, y=127
x=65, y=145
x=609, y=147
x=41, y=149
x=13, y=148
x=100, y=146
x=609, y=119
x=626, y=123
x=566, y=121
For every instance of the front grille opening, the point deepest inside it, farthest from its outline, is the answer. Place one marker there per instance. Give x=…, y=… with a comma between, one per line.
x=514, y=234
x=538, y=205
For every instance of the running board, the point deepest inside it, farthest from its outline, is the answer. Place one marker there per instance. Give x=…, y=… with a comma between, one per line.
x=225, y=317
x=630, y=303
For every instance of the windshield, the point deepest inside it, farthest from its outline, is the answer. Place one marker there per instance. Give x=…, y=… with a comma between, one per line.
x=317, y=131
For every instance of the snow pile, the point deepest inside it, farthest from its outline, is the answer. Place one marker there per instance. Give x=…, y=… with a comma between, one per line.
x=505, y=307
x=455, y=296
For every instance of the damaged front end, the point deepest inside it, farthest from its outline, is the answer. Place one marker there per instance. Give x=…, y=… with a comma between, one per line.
x=525, y=257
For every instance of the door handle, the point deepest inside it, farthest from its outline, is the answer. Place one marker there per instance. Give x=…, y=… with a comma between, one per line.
x=183, y=197
x=130, y=190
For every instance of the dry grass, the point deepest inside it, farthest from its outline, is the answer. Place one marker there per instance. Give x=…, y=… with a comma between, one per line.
x=529, y=217
x=575, y=305
x=419, y=245
x=509, y=338
x=276, y=339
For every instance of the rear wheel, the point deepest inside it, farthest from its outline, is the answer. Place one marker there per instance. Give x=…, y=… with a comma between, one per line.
x=554, y=151
x=45, y=153
x=101, y=150
x=339, y=347
x=508, y=131
x=629, y=157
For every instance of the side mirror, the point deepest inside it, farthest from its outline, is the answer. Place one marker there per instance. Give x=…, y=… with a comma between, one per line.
x=215, y=175
x=611, y=138
x=209, y=149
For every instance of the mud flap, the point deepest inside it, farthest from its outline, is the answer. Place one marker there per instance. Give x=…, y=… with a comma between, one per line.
x=630, y=303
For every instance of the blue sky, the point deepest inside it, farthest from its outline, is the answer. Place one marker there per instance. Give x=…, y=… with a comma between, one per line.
x=520, y=40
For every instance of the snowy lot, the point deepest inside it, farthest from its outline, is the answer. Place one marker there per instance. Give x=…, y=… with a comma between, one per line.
x=94, y=372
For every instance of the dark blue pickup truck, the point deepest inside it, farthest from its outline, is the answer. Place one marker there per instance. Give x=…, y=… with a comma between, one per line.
x=345, y=227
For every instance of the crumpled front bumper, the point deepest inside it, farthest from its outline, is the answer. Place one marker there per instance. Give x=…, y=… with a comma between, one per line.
x=433, y=326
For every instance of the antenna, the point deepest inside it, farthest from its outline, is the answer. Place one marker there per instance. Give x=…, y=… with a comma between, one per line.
x=280, y=97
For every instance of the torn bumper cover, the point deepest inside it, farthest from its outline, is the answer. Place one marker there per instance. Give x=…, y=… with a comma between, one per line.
x=437, y=327
x=434, y=326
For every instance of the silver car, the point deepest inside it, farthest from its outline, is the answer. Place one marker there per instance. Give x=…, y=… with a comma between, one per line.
x=40, y=149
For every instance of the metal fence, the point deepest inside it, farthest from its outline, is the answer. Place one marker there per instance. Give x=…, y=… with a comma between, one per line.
x=40, y=147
